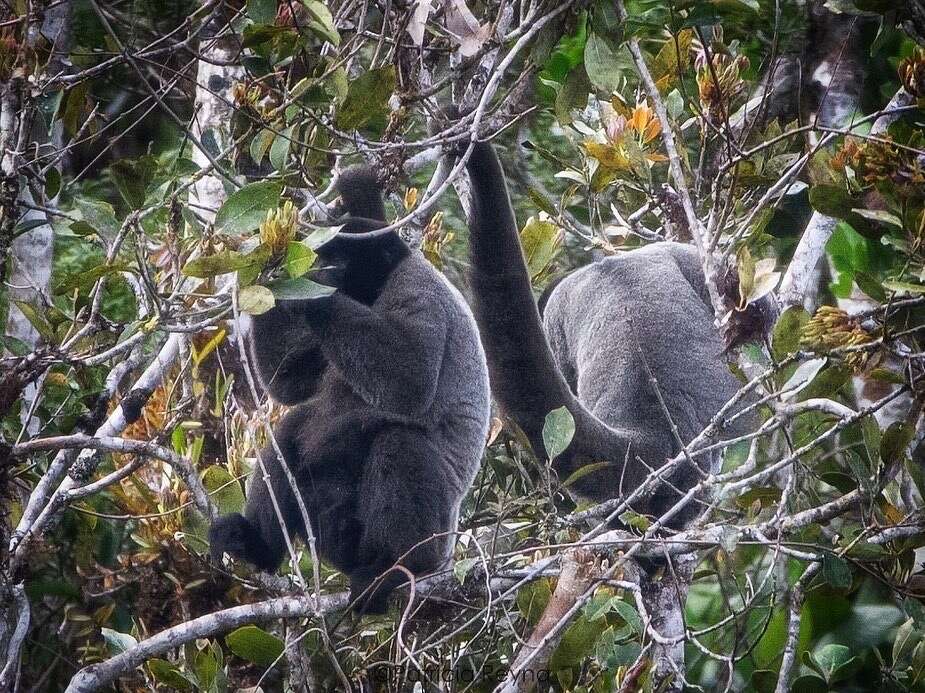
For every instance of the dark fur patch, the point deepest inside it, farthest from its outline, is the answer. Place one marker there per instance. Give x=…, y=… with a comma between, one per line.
x=391, y=412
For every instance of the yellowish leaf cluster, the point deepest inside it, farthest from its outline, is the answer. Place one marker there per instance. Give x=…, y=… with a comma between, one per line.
x=279, y=228
x=717, y=87
x=912, y=73
x=832, y=328
x=627, y=131
x=874, y=161
x=434, y=239
x=410, y=200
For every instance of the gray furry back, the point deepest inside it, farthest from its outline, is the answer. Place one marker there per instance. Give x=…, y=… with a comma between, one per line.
x=608, y=331
x=616, y=324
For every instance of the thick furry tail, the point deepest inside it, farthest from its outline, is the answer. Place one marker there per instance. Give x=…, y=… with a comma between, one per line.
x=361, y=193
x=524, y=377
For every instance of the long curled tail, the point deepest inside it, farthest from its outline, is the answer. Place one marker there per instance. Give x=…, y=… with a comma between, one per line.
x=524, y=377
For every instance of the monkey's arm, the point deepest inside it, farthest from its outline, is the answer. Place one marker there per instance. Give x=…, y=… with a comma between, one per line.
x=524, y=376
x=390, y=357
x=257, y=537
x=287, y=353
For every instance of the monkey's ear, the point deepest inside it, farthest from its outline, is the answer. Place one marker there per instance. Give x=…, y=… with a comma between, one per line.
x=361, y=193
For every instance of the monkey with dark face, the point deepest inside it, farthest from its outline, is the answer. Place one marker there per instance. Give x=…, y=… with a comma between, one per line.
x=389, y=388
x=605, y=328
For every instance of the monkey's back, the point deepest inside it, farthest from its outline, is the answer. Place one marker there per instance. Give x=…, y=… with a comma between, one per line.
x=456, y=414
x=459, y=416
x=615, y=322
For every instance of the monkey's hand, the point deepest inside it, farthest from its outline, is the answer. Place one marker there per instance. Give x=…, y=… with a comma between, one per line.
x=237, y=536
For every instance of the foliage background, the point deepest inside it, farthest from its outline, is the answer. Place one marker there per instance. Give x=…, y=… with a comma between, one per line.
x=145, y=144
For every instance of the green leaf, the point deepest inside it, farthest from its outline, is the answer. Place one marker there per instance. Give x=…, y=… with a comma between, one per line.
x=904, y=287
x=628, y=613
x=598, y=607
x=262, y=11
x=99, y=215
x=767, y=496
x=462, y=567
x=299, y=288
x=803, y=375
x=322, y=23
x=540, y=240
x=836, y=571
x=38, y=321
x=913, y=608
x=573, y=94
x=261, y=144
x=27, y=225
x=577, y=642
x=833, y=661
x=132, y=179
x=674, y=103
x=532, y=599
x=541, y=201
x=786, y=337
x=255, y=300
x=558, y=430
x=246, y=208
x=207, y=666
x=672, y=58
x=907, y=637
x=299, y=259
x=633, y=519
x=255, y=645
x=613, y=654
x=74, y=107
x=214, y=265
x=895, y=441
x=279, y=151
x=320, y=236
x=257, y=259
x=870, y=430
x=84, y=280
x=166, y=673
x=880, y=216
x=584, y=470
x=887, y=376
x=117, y=642
x=52, y=182
x=604, y=64
x=831, y=200
x=224, y=489
x=848, y=250
x=367, y=97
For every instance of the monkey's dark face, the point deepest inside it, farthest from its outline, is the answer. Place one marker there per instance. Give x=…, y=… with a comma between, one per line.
x=360, y=266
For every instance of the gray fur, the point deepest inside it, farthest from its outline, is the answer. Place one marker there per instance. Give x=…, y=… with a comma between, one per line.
x=393, y=406
x=605, y=327
x=608, y=321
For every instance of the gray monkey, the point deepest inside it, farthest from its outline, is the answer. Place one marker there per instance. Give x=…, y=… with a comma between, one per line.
x=605, y=328
x=391, y=404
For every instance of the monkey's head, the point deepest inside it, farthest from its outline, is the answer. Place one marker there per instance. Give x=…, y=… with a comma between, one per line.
x=360, y=258
x=360, y=194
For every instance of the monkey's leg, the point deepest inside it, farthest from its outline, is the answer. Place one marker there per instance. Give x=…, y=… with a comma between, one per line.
x=408, y=501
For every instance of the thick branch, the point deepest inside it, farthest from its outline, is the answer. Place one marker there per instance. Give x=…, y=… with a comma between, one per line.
x=97, y=676
x=576, y=577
